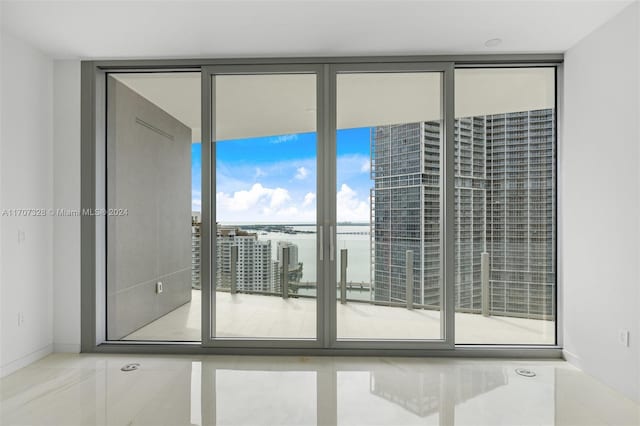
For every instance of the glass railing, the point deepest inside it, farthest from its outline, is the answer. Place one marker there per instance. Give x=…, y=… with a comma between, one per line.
x=349, y=291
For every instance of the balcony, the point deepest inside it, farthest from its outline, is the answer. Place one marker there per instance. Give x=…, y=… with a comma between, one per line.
x=271, y=316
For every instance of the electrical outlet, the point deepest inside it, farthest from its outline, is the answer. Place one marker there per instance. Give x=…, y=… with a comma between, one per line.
x=623, y=338
x=159, y=287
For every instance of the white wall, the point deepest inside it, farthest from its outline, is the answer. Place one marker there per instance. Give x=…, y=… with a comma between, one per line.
x=26, y=171
x=66, y=183
x=1, y=181
x=600, y=203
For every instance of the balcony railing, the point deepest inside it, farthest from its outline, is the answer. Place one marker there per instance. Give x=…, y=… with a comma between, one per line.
x=346, y=290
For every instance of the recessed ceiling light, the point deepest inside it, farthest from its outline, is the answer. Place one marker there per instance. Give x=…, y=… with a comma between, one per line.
x=493, y=42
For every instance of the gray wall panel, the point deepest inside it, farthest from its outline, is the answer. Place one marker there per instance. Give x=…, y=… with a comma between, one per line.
x=149, y=174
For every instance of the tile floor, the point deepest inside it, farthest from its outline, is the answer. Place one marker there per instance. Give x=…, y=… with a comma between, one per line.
x=65, y=389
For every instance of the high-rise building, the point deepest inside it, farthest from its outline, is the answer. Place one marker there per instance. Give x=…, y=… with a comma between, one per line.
x=294, y=268
x=505, y=206
x=521, y=212
x=470, y=144
x=196, y=229
x=254, y=271
x=405, y=211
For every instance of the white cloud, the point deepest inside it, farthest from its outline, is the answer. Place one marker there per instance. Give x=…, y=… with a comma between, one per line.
x=366, y=166
x=257, y=196
x=261, y=203
x=231, y=177
x=283, y=138
x=301, y=173
x=264, y=204
x=350, y=208
x=196, y=200
x=309, y=199
x=279, y=196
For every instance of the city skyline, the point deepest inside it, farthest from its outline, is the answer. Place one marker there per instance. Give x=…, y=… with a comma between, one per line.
x=503, y=167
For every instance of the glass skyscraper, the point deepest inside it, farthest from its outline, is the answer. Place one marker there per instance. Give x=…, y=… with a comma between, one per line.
x=504, y=203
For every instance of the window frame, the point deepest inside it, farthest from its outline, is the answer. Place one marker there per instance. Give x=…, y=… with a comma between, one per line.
x=93, y=180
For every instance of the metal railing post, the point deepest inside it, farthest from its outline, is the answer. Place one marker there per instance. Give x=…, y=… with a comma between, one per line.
x=343, y=276
x=409, y=275
x=234, y=269
x=284, y=278
x=484, y=281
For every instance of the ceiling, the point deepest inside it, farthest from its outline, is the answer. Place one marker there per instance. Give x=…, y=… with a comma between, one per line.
x=279, y=104
x=164, y=29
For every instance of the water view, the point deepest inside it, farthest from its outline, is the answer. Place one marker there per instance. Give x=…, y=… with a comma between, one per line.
x=355, y=238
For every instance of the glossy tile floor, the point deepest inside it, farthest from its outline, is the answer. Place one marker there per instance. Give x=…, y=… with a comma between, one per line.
x=67, y=390
x=248, y=315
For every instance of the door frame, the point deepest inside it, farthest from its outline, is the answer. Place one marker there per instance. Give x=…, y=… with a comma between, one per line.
x=326, y=103
x=208, y=245
x=447, y=214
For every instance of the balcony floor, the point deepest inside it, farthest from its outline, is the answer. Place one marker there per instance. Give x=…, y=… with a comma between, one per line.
x=249, y=316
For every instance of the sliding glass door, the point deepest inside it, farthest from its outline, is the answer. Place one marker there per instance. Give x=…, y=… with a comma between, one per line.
x=388, y=205
x=322, y=206
x=339, y=205
x=262, y=170
x=350, y=206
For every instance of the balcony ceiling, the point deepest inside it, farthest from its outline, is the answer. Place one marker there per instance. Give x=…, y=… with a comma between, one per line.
x=267, y=105
x=154, y=29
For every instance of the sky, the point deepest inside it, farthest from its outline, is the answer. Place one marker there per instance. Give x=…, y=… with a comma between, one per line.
x=273, y=179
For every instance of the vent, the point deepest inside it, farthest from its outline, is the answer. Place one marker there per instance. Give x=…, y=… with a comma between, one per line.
x=130, y=367
x=525, y=372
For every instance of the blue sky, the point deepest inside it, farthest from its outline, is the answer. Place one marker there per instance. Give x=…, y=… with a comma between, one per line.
x=273, y=179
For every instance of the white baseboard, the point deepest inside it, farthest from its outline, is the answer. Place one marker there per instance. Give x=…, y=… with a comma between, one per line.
x=571, y=358
x=69, y=348
x=21, y=362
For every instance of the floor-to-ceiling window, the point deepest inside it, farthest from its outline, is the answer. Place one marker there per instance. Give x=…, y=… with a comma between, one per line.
x=341, y=205
x=264, y=141
x=388, y=208
x=505, y=205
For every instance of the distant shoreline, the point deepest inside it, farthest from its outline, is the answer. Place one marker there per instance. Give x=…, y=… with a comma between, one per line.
x=285, y=228
x=246, y=224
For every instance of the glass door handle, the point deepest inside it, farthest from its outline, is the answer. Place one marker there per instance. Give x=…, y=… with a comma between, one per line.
x=321, y=240
x=331, y=245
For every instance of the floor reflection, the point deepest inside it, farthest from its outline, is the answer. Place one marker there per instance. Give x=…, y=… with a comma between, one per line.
x=425, y=393
x=182, y=390
x=396, y=392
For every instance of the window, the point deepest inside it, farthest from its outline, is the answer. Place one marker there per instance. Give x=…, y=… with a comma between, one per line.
x=338, y=205
x=506, y=236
